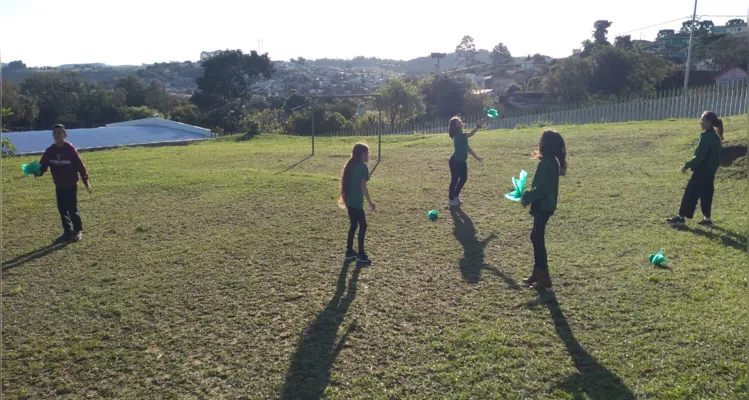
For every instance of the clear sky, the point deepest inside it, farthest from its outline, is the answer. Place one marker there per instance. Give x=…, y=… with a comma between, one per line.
x=54, y=32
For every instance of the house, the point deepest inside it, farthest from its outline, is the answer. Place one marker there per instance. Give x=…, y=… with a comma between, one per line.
x=679, y=40
x=731, y=75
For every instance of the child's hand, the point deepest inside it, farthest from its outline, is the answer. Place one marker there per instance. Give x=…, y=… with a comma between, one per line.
x=684, y=169
x=373, y=206
x=88, y=187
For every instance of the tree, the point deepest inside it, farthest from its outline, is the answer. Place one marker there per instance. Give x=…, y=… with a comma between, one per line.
x=723, y=51
x=624, y=42
x=538, y=59
x=187, y=114
x=587, y=48
x=399, y=100
x=444, y=94
x=25, y=109
x=466, y=52
x=500, y=54
x=706, y=26
x=293, y=100
x=155, y=96
x=688, y=25
x=135, y=90
x=226, y=86
x=568, y=80
x=601, y=31
x=57, y=95
x=735, y=22
x=665, y=33
x=15, y=66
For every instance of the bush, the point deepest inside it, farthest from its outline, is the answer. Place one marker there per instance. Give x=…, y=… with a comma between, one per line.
x=133, y=113
x=187, y=114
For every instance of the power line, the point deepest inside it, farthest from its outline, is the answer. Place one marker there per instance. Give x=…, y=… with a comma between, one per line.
x=653, y=26
x=723, y=16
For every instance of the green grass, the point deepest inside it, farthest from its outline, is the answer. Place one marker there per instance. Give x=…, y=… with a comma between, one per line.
x=206, y=271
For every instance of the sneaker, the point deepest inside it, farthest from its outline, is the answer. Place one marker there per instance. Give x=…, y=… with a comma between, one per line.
x=350, y=255
x=362, y=258
x=677, y=220
x=706, y=222
x=459, y=201
x=77, y=237
x=452, y=203
x=65, y=237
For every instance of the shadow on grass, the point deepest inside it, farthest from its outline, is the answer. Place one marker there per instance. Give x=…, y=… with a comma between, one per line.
x=731, y=239
x=473, y=250
x=309, y=373
x=294, y=165
x=729, y=154
x=33, y=255
x=592, y=378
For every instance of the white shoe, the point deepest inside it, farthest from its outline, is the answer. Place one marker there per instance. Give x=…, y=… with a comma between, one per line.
x=458, y=202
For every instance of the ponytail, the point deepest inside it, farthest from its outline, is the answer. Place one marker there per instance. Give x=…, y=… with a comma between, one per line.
x=716, y=122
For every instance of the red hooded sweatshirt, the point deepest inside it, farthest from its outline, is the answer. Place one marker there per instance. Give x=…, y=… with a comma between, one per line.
x=65, y=164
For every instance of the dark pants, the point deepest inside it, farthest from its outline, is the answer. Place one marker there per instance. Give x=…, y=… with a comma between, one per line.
x=458, y=176
x=67, y=204
x=357, y=219
x=539, y=243
x=701, y=187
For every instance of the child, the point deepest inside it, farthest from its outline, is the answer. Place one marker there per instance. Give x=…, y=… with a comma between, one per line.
x=705, y=164
x=353, y=192
x=458, y=165
x=66, y=164
x=543, y=201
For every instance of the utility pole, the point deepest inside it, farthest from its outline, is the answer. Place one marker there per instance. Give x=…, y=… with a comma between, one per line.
x=689, y=50
x=438, y=56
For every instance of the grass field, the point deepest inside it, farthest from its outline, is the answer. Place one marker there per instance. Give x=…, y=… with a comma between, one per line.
x=215, y=270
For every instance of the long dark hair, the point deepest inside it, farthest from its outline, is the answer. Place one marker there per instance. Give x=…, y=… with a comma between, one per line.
x=716, y=122
x=356, y=154
x=552, y=145
x=454, y=128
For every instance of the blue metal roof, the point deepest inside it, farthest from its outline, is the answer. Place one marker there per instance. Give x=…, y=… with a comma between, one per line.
x=91, y=138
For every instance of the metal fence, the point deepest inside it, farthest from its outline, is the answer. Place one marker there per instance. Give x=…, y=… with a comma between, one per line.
x=725, y=99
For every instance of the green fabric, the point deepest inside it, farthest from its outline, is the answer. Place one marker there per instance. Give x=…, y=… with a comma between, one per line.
x=658, y=258
x=545, y=187
x=519, y=184
x=707, y=155
x=460, y=142
x=33, y=168
x=355, y=194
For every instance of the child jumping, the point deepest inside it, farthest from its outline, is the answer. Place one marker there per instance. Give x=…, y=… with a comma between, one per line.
x=704, y=165
x=353, y=192
x=458, y=161
x=65, y=162
x=542, y=198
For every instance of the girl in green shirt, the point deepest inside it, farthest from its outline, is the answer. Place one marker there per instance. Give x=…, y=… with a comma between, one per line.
x=542, y=198
x=353, y=192
x=704, y=165
x=458, y=164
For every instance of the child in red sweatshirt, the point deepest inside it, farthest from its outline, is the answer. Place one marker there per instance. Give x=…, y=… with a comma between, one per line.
x=63, y=159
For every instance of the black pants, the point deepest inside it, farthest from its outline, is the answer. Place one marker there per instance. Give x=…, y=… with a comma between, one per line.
x=458, y=176
x=701, y=187
x=67, y=204
x=539, y=242
x=357, y=219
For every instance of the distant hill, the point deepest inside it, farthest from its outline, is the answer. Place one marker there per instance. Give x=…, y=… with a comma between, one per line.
x=179, y=77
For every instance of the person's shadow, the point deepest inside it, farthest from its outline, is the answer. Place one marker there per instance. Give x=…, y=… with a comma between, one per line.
x=592, y=378
x=33, y=255
x=309, y=372
x=473, y=250
x=731, y=239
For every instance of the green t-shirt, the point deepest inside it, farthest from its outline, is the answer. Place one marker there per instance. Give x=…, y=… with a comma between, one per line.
x=460, y=142
x=354, y=194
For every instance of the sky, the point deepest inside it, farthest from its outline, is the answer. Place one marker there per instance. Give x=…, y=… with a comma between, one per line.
x=134, y=32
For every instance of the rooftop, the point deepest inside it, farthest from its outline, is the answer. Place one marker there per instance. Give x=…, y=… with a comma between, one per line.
x=149, y=131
